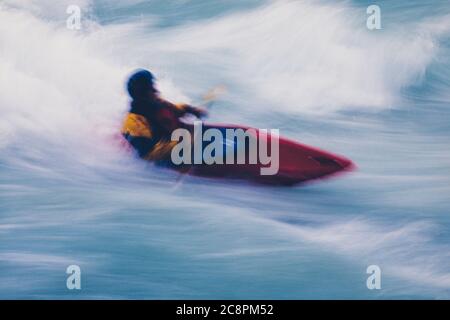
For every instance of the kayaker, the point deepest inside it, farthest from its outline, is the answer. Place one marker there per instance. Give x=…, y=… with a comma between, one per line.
x=151, y=119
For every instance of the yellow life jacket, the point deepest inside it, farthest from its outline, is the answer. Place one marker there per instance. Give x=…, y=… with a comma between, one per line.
x=138, y=133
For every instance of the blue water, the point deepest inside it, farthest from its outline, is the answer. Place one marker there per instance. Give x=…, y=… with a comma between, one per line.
x=70, y=195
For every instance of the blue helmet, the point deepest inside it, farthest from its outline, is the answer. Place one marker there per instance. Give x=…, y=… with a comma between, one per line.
x=140, y=83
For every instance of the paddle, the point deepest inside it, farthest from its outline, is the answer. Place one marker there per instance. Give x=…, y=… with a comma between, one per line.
x=208, y=100
x=211, y=96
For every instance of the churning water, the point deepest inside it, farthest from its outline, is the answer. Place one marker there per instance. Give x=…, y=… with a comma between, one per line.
x=70, y=195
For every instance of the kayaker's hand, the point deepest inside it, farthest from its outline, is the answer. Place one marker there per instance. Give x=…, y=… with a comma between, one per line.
x=198, y=112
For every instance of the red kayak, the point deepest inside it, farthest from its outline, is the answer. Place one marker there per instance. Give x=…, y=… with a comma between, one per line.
x=297, y=163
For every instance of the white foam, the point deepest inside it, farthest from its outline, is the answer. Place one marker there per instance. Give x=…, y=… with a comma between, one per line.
x=310, y=57
x=64, y=88
x=298, y=56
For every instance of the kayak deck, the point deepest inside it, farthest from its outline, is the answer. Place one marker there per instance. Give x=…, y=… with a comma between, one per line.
x=297, y=163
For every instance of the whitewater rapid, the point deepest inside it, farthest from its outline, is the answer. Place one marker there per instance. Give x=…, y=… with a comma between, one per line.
x=70, y=195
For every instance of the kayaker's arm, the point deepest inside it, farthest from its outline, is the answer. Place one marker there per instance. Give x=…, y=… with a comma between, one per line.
x=182, y=108
x=196, y=111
